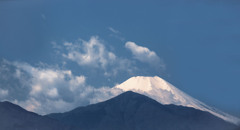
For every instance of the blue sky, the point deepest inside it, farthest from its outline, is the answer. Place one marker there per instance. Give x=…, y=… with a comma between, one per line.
x=192, y=44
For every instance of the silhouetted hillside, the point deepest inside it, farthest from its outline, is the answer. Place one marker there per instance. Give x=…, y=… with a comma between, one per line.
x=13, y=117
x=132, y=111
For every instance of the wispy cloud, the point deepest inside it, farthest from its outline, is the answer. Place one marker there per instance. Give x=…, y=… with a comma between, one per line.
x=43, y=16
x=116, y=34
x=113, y=30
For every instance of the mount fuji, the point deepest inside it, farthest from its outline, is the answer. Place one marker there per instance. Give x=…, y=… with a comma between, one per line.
x=134, y=109
x=165, y=93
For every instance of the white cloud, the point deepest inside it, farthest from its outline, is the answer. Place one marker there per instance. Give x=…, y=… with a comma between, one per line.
x=36, y=89
x=53, y=92
x=31, y=104
x=89, y=53
x=48, y=84
x=143, y=54
x=3, y=93
x=76, y=81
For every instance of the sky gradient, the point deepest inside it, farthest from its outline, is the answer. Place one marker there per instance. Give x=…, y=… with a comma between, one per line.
x=47, y=46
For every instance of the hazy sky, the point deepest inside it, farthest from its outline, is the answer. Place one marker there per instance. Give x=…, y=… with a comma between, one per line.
x=70, y=52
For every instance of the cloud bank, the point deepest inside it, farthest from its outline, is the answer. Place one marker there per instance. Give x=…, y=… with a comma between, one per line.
x=51, y=89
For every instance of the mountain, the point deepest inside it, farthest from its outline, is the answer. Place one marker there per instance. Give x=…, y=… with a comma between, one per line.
x=13, y=117
x=165, y=93
x=133, y=111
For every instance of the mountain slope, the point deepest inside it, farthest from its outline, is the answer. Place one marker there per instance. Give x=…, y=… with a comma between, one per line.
x=132, y=111
x=165, y=93
x=13, y=117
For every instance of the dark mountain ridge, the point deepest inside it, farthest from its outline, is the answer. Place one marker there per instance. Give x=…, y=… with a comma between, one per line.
x=133, y=111
x=13, y=117
x=128, y=111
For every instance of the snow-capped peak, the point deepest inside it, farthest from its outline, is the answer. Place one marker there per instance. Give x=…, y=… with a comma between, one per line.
x=144, y=84
x=165, y=93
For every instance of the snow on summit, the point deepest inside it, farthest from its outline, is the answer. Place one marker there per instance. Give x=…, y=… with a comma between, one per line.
x=158, y=89
x=165, y=93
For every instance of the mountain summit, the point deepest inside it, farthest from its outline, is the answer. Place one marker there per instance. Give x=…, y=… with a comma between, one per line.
x=165, y=93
